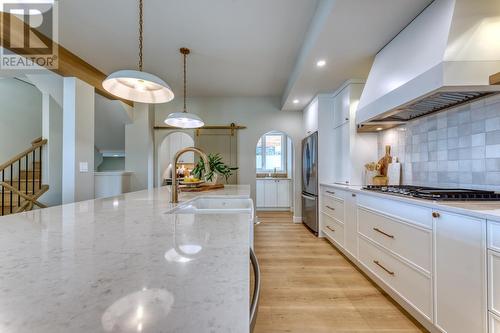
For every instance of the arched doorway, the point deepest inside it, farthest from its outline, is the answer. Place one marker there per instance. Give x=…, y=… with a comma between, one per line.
x=274, y=172
x=170, y=145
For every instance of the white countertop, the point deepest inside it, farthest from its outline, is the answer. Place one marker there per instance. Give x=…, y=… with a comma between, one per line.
x=121, y=264
x=489, y=210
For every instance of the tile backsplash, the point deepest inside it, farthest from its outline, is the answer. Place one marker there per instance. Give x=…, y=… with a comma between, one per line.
x=457, y=147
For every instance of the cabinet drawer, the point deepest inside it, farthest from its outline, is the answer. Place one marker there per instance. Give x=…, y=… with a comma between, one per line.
x=412, y=213
x=410, y=242
x=494, y=235
x=333, y=229
x=334, y=192
x=410, y=284
x=333, y=206
x=494, y=323
x=494, y=282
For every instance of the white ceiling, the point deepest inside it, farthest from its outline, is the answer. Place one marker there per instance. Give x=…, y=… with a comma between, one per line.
x=348, y=40
x=239, y=47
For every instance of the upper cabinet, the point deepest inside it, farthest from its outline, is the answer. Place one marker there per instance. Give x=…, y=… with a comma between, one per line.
x=341, y=114
x=352, y=150
x=311, y=118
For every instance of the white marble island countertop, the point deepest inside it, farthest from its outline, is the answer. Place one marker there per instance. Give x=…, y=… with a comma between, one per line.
x=122, y=264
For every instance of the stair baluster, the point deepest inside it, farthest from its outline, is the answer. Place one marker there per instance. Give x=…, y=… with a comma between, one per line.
x=26, y=198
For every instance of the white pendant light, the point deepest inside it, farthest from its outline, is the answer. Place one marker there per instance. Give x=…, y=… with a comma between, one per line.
x=138, y=86
x=184, y=119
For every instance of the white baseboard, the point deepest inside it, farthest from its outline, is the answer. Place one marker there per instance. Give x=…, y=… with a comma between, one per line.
x=297, y=219
x=272, y=209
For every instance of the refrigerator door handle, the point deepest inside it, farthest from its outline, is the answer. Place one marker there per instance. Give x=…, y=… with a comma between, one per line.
x=309, y=197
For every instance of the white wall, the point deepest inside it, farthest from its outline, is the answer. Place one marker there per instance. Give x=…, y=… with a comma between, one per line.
x=78, y=140
x=139, y=147
x=52, y=162
x=259, y=114
x=21, y=117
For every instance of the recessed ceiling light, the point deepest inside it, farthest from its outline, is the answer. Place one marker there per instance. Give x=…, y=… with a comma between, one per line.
x=379, y=128
x=321, y=63
x=295, y=101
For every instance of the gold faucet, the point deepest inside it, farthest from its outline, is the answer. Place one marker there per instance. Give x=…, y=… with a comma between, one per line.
x=175, y=194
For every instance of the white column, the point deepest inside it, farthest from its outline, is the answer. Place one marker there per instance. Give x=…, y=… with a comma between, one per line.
x=78, y=141
x=139, y=147
x=52, y=127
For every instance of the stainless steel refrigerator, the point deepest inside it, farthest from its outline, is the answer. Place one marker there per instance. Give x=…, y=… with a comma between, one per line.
x=310, y=182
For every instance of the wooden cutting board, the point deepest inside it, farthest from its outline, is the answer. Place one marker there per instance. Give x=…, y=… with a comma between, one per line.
x=202, y=188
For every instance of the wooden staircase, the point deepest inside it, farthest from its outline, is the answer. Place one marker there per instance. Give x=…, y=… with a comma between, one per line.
x=21, y=180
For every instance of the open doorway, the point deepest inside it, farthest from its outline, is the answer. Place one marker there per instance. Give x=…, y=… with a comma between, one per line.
x=274, y=172
x=170, y=145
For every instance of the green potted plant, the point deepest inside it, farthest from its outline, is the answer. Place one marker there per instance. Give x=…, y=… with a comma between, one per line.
x=216, y=167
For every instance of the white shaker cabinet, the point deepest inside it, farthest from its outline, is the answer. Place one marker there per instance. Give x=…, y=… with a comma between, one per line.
x=460, y=273
x=311, y=114
x=352, y=150
x=273, y=193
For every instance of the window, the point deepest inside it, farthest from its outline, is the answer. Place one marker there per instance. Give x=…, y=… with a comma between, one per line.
x=271, y=153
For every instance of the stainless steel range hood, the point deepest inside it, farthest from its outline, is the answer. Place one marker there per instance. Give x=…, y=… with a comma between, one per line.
x=442, y=59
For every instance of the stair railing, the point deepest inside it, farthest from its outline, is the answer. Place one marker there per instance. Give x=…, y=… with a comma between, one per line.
x=14, y=166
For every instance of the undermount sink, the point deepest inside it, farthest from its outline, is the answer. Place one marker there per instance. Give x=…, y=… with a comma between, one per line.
x=215, y=205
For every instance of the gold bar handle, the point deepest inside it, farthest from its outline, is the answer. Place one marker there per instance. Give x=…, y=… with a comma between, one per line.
x=330, y=228
x=376, y=262
x=331, y=208
x=383, y=233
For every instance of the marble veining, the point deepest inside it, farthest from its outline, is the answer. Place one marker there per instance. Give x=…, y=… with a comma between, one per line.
x=121, y=264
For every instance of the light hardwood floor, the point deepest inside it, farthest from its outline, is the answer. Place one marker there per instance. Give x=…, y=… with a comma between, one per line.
x=309, y=287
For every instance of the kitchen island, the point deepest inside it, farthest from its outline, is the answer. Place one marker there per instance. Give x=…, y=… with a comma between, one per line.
x=125, y=264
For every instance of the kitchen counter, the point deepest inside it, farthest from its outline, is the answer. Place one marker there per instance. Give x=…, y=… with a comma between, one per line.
x=489, y=210
x=121, y=264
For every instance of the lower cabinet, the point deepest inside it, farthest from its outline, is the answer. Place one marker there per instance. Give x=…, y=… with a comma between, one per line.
x=460, y=273
x=494, y=282
x=273, y=193
x=435, y=263
x=410, y=283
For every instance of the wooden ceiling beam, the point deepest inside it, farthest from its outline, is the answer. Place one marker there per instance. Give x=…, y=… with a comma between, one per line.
x=69, y=64
x=495, y=78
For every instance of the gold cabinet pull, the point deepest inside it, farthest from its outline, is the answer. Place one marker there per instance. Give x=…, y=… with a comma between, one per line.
x=330, y=192
x=435, y=215
x=330, y=228
x=376, y=262
x=329, y=207
x=383, y=233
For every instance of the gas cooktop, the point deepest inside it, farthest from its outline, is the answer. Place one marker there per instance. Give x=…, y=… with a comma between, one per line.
x=431, y=193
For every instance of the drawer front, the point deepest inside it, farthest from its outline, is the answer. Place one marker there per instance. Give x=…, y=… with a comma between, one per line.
x=412, y=285
x=333, y=206
x=494, y=282
x=494, y=235
x=333, y=229
x=412, y=213
x=494, y=323
x=410, y=242
x=333, y=192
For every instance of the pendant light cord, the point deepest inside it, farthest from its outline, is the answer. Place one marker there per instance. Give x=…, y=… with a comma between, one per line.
x=141, y=39
x=185, y=79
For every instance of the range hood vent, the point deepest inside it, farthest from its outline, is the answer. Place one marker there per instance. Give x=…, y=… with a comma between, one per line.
x=442, y=59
